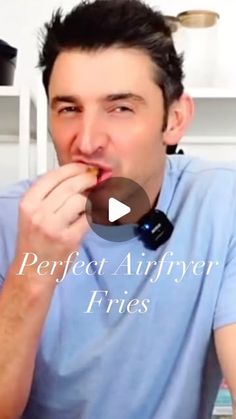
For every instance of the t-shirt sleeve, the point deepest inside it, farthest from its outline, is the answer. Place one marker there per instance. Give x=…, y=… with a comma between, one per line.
x=225, y=312
x=9, y=208
x=3, y=254
x=4, y=249
x=8, y=225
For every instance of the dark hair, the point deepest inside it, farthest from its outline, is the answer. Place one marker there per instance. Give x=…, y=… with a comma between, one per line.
x=124, y=23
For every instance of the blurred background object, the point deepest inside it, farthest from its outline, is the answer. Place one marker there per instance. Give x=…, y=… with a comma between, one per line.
x=173, y=22
x=8, y=55
x=198, y=18
x=198, y=40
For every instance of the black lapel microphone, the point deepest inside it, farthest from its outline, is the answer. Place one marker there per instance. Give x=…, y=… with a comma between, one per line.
x=154, y=229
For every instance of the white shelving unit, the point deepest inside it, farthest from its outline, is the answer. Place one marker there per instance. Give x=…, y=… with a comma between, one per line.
x=23, y=134
x=211, y=93
x=212, y=133
x=17, y=126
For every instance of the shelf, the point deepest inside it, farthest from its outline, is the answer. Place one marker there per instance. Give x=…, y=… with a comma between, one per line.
x=209, y=140
x=211, y=93
x=9, y=91
x=214, y=116
x=10, y=98
x=12, y=139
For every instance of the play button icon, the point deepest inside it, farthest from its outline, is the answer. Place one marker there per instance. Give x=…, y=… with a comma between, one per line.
x=115, y=206
x=117, y=210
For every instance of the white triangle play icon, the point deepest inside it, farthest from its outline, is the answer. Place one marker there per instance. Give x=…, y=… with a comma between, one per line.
x=117, y=209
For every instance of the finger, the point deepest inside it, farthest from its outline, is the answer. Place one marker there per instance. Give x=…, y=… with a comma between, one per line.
x=70, y=187
x=55, y=225
x=45, y=184
x=78, y=229
x=70, y=211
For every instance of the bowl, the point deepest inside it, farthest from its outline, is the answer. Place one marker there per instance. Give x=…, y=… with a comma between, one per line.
x=198, y=18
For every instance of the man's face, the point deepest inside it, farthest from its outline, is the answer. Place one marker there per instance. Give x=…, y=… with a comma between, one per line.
x=106, y=110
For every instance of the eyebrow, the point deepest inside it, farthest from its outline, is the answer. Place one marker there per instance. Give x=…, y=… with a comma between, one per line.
x=109, y=98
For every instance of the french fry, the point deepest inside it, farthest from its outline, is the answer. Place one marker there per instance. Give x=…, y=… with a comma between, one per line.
x=93, y=170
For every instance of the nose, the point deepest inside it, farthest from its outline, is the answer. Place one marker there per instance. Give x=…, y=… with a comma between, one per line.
x=92, y=136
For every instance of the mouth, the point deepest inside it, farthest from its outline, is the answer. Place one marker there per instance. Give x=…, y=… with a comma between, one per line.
x=103, y=174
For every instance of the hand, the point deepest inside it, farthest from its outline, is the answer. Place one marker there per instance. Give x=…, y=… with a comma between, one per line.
x=52, y=220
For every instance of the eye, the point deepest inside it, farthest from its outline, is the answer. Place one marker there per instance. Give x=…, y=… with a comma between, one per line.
x=122, y=109
x=68, y=109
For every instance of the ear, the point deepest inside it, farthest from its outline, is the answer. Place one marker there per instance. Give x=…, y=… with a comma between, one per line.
x=179, y=116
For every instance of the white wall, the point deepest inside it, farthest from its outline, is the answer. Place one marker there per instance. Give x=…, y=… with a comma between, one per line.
x=21, y=19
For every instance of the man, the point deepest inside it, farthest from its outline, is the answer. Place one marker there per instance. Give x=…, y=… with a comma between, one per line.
x=127, y=332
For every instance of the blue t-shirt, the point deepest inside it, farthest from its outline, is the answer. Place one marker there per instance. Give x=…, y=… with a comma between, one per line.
x=104, y=357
